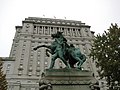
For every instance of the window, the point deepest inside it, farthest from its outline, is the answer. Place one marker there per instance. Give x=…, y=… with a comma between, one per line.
x=15, y=46
x=40, y=27
x=57, y=28
x=8, y=66
x=16, y=42
x=21, y=60
x=46, y=62
x=33, y=37
x=24, y=45
x=7, y=71
x=70, y=40
x=73, y=23
x=87, y=34
x=23, y=50
x=38, y=55
x=63, y=22
x=39, y=42
x=26, y=30
x=22, y=55
x=48, y=22
x=30, y=73
x=30, y=68
x=58, y=22
x=25, y=36
x=51, y=27
x=19, y=72
x=37, y=73
x=31, y=60
x=14, y=51
x=53, y=22
x=39, y=51
x=86, y=30
x=38, y=68
x=68, y=23
x=34, y=32
x=31, y=56
x=13, y=54
x=27, y=26
x=77, y=24
x=32, y=46
x=38, y=62
x=34, y=26
x=43, y=21
x=18, y=31
x=46, y=42
x=46, y=27
x=21, y=65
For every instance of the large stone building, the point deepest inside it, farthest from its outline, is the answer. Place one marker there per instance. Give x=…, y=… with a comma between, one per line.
x=26, y=66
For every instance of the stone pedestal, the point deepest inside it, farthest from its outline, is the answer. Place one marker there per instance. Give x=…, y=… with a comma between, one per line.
x=68, y=79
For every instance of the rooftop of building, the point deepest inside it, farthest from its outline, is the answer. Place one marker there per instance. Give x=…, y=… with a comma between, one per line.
x=55, y=21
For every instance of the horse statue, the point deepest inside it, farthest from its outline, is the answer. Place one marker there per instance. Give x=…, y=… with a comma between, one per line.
x=67, y=53
x=56, y=50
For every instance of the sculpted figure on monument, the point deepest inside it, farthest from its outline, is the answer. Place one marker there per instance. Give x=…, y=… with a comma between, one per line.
x=45, y=86
x=67, y=53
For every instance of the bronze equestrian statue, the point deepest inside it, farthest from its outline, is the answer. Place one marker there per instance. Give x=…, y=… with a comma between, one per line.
x=67, y=53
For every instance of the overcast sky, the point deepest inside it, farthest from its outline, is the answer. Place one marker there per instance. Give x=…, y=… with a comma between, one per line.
x=99, y=14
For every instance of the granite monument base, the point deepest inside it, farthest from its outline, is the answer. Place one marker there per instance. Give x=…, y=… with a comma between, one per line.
x=69, y=79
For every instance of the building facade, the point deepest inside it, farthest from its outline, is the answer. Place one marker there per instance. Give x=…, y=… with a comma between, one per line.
x=27, y=66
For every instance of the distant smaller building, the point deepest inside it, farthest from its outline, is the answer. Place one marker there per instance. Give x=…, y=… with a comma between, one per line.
x=8, y=64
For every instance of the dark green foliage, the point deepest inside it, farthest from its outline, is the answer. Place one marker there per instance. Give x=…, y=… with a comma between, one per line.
x=3, y=82
x=106, y=53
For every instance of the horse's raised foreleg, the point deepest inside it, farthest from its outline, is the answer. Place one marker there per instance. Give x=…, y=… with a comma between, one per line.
x=49, y=47
x=38, y=47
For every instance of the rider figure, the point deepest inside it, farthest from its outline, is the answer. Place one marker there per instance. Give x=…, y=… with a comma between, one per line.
x=61, y=41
